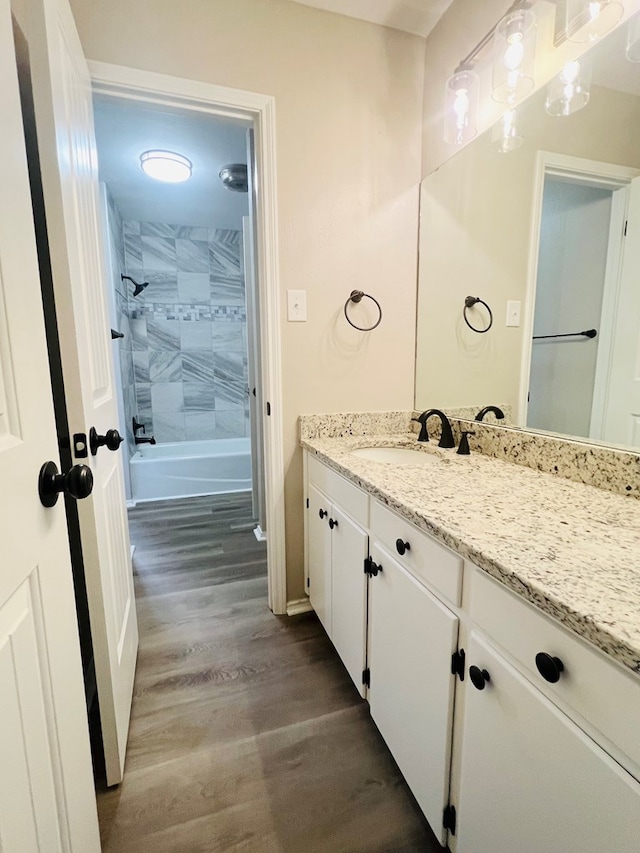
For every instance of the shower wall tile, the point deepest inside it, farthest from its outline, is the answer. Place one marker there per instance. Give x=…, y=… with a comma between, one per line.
x=228, y=336
x=159, y=254
x=194, y=287
x=166, y=397
x=229, y=424
x=139, y=340
x=169, y=427
x=163, y=287
x=200, y=425
x=195, y=334
x=157, y=229
x=141, y=366
x=190, y=232
x=131, y=227
x=197, y=366
x=132, y=252
x=199, y=397
x=192, y=255
x=143, y=399
x=165, y=366
x=163, y=333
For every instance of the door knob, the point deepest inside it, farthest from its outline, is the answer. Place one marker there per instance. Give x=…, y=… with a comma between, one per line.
x=479, y=677
x=111, y=439
x=549, y=667
x=77, y=483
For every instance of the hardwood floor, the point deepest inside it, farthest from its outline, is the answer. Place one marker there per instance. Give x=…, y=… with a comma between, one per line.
x=246, y=732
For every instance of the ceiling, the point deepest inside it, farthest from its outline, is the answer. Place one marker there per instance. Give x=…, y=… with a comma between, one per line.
x=412, y=16
x=124, y=129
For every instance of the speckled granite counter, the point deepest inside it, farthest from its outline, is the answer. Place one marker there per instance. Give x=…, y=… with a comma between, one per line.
x=571, y=549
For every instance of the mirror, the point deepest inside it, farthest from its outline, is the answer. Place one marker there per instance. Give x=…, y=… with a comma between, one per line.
x=538, y=232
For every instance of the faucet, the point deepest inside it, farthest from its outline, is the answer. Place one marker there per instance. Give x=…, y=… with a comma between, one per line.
x=446, y=437
x=495, y=409
x=144, y=439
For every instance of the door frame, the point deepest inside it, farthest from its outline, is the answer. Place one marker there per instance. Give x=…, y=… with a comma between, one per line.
x=195, y=95
x=580, y=171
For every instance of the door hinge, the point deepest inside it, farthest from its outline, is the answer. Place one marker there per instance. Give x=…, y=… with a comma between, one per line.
x=307, y=503
x=457, y=663
x=308, y=582
x=449, y=819
x=268, y=409
x=366, y=677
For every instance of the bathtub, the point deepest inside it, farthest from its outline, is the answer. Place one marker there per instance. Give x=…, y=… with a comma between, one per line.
x=190, y=468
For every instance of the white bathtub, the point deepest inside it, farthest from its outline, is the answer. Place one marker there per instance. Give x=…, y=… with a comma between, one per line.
x=190, y=468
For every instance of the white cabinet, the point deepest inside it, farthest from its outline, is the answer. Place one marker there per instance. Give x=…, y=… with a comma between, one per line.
x=319, y=549
x=531, y=780
x=412, y=637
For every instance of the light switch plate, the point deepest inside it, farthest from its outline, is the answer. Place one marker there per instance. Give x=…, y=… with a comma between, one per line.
x=296, y=306
x=513, y=313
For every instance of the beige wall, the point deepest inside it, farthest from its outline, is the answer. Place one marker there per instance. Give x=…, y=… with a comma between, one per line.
x=348, y=125
x=476, y=217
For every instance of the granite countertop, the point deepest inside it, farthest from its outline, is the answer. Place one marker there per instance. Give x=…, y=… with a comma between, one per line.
x=571, y=549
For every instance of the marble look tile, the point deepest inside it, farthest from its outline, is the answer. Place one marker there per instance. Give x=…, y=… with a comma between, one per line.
x=157, y=229
x=228, y=336
x=131, y=226
x=227, y=281
x=141, y=366
x=132, y=252
x=193, y=287
x=143, y=399
x=167, y=397
x=163, y=287
x=192, y=255
x=159, y=253
x=139, y=339
x=195, y=334
x=200, y=425
x=197, y=366
x=230, y=383
x=191, y=232
x=199, y=397
x=169, y=427
x=229, y=424
x=163, y=334
x=127, y=368
x=165, y=366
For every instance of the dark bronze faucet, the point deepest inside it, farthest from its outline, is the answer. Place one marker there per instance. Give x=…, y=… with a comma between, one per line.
x=495, y=409
x=446, y=436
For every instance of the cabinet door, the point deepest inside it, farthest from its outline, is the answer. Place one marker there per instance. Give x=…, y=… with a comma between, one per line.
x=320, y=556
x=411, y=639
x=349, y=547
x=531, y=780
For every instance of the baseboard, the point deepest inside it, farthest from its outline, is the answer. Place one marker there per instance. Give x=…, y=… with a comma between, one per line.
x=299, y=605
x=259, y=533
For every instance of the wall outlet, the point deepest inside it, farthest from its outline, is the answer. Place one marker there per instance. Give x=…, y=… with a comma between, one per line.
x=296, y=306
x=513, y=313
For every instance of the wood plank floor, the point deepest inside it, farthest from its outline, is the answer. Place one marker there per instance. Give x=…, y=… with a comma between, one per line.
x=246, y=732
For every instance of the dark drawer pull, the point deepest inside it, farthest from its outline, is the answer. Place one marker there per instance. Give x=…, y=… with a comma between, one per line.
x=479, y=677
x=550, y=668
x=323, y=513
x=401, y=547
x=332, y=523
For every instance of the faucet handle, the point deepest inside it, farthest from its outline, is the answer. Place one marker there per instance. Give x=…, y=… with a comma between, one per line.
x=424, y=435
x=463, y=447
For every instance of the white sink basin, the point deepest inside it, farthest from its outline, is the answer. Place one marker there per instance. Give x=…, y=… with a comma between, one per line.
x=395, y=455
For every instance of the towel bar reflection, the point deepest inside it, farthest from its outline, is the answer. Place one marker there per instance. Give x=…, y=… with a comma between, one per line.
x=588, y=333
x=357, y=296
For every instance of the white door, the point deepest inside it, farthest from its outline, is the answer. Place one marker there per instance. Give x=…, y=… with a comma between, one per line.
x=531, y=780
x=64, y=121
x=412, y=637
x=622, y=409
x=47, y=800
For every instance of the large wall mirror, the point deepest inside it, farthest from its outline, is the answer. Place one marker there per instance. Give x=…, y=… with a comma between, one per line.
x=542, y=226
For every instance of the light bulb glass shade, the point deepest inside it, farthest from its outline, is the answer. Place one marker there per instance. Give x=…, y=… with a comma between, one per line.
x=514, y=53
x=167, y=166
x=588, y=20
x=461, y=107
x=633, y=39
x=505, y=133
x=570, y=90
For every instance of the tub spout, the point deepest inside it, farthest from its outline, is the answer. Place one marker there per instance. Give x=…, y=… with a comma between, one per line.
x=145, y=439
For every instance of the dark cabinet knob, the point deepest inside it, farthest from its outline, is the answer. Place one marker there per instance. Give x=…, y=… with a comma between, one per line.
x=549, y=667
x=111, y=440
x=375, y=569
x=479, y=677
x=77, y=483
x=402, y=547
x=332, y=523
x=323, y=513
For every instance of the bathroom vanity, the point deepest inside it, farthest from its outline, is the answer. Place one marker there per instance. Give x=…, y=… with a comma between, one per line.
x=490, y=615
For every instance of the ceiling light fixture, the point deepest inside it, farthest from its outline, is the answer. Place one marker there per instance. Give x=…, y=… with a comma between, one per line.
x=588, y=20
x=167, y=166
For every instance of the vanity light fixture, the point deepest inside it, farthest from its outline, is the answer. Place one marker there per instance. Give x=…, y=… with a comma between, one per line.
x=570, y=90
x=505, y=133
x=167, y=166
x=588, y=20
x=514, y=49
x=461, y=106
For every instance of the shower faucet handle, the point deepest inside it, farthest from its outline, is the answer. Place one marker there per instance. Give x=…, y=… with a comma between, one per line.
x=137, y=426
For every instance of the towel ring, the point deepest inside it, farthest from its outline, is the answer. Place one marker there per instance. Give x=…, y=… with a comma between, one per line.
x=356, y=296
x=469, y=302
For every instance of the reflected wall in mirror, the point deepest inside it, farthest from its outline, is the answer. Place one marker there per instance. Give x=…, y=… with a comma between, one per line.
x=542, y=225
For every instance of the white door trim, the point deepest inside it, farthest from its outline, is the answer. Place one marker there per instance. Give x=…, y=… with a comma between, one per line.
x=149, y=86
x=570, y=169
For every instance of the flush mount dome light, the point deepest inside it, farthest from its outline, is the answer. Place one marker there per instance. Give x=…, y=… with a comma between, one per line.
x=167, y=166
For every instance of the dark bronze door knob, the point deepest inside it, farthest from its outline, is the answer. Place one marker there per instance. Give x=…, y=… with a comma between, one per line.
x=111, y=440
x=77, y=483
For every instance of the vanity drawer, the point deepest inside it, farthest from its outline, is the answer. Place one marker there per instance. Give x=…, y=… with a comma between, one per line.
x=599, y=689
x=424, y=557
x=348, y=497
